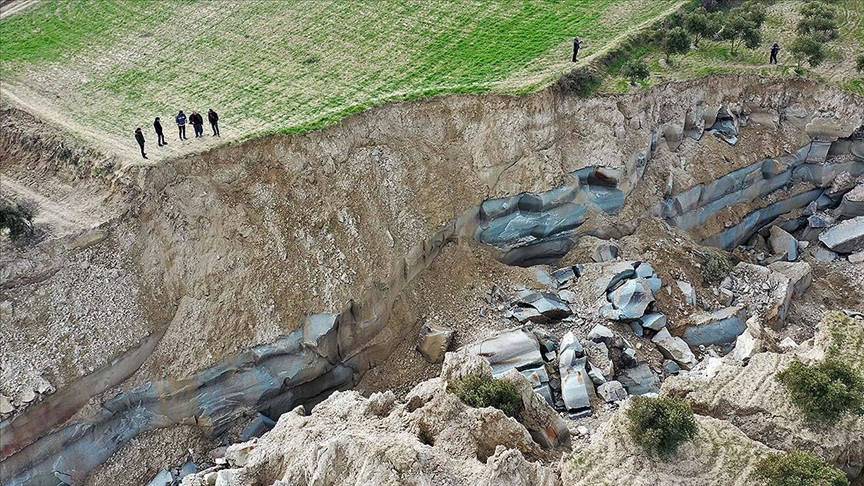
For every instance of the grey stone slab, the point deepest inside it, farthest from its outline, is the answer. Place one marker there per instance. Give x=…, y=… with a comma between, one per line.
x=845, y=237
x=783, y=244
x=612, y=391
x=631, y=299
x=576, y=386
x=654, y=321
x=639, y=380
x=716, y=328
x=508, y=350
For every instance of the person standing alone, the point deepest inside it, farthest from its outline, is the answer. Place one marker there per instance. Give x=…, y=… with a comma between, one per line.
x=139, y=136
x=160, y=136
x=774, y=50
x=576, y=44
x=181, y=124
x=214, y=121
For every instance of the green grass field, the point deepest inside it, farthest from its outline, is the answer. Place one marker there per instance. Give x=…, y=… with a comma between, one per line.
x=270, y=65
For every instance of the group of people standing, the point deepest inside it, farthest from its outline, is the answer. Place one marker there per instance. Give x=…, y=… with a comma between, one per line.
x=195, y=119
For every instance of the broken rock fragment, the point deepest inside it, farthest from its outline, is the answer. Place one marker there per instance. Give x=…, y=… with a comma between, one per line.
x=783, y=244
x=612, y=391
x=605, y=252
x=434, y=341
x=653, y=321
x=546, y=305
x=639, y=380
x=674, y=348
x=845, y=237
x=629, y=301
x=512, y=349
x=716, y=328
x=799, y=273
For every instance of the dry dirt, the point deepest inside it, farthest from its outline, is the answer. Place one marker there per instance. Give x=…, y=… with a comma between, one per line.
x=232, y=247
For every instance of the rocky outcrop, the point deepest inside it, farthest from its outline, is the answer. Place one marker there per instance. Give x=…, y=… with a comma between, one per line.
x=751, y=398
x=432, y=436
x=232, y=249
x=719, y=454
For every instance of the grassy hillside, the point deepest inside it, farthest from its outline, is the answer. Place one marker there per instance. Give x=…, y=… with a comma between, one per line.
x=265, y=65
x=782, y=16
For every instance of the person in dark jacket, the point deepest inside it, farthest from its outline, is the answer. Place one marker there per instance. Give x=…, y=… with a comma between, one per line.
x=139, y=136
x=160, y=136
x=197, y=122
x=181, y=124
x=774, y=50
x=214, y=121
x=576, y=44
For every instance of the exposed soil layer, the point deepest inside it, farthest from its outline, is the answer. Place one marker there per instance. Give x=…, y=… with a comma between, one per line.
x=212, y=254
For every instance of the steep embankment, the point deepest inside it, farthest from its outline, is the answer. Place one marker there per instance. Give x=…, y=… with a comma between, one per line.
x=236, y=247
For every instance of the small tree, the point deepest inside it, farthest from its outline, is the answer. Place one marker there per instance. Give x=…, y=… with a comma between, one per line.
x=660, y=425
x=805, y=48
x=699, y=23
x=819, y=21
x=740, y=29
x=794, y=468
x=636, y=70
x=676, y=41
x=825, y=391
x=859, y=63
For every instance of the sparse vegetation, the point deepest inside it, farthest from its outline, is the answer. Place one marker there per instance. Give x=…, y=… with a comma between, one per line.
x=825, y=391
x=581, y=81
x=716, y=267
x=17, y=217
x=797, y=468
x=859, y=63
x=484, y=391
x=660, y=425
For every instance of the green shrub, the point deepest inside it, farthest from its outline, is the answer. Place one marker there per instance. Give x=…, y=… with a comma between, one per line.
x=17, y=217
x=483, y=391
x=635, y=70
x=716, y=267
x=796, y=468
x=660, y=425
x=580, y=81
x=825, y=391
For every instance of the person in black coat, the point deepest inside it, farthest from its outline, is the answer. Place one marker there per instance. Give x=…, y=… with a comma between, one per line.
x=774, y=50
x=160, y=136
x=576, y=44
x=197, y=122
x=214, y=121
x=139, y=136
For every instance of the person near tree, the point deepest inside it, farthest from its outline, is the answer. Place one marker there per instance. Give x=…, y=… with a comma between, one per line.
x=774, y=50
